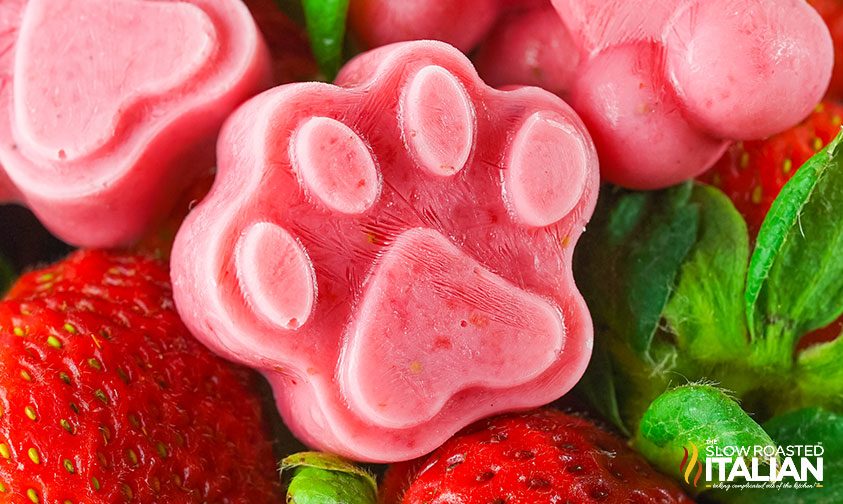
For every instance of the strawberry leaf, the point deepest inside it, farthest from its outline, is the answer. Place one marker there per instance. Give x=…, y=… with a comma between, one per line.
x=626, y=267
x=688, y=419
x=819, y=375
x=795, y=278
x=629, y=258
x=322, y=478
x=597, y=386
x=705, y=313
x=325, y=20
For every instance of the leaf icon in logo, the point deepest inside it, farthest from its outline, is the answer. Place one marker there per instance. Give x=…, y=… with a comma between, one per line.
x=690, y=461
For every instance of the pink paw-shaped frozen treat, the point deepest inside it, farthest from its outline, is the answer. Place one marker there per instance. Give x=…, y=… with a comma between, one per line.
x=530, y=47
x=109, y=108
x=461, y=23
x=394, y=252
x=665, y=85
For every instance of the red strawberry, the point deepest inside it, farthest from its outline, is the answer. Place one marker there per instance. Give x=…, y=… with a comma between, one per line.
x=827, y=333
x=753, y=173
x=106, y=397
x=397, y=478
x=832, y=13
x=544, y=456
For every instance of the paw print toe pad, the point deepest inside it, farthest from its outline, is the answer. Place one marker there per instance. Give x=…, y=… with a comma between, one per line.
x=275, y=275
x=335, y=165
x=438, y=121
x=547, y=170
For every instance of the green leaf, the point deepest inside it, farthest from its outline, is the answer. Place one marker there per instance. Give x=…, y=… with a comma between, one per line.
x=629, y=257
x=626, y=267
x=322, y=478
x=804, y=427
x=705, y=313
x=325, y=20
x=688, y=419
x=795, y=278
x=597, y=386
x=630, y=209
x=819, y=375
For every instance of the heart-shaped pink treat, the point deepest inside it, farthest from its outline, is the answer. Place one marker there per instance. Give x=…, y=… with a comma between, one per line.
x=665, y=85
x=109, y=109
x=394, y=252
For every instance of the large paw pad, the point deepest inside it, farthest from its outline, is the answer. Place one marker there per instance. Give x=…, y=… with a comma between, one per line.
x=435, y=315
x=112, y=106
x=395, y=253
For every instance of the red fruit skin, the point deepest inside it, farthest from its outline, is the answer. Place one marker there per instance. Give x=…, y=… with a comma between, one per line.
x=398, y=477
x=824, y=335
x=544, y=456
x=106, y=397
x=753, y=173
x=832, y=13
x=529, y=48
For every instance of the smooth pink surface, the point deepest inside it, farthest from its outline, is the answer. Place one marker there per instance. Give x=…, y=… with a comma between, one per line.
x=529, y=48
x=751, y=74
x=461, y=23
x=716, y=70
x=394, y=254
x=637, y=120
x=665, y=85
x=109, y=109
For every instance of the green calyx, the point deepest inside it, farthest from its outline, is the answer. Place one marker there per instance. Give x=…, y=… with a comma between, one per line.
x=679, y=295
x=685, y=426
x=322, y=478
x=680, y=428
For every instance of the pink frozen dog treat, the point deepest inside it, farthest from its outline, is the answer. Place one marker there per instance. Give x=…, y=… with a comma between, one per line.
x=461, y=23
x=110, y=108
x=394, y=252
x=665, y=85
x=531, y=47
